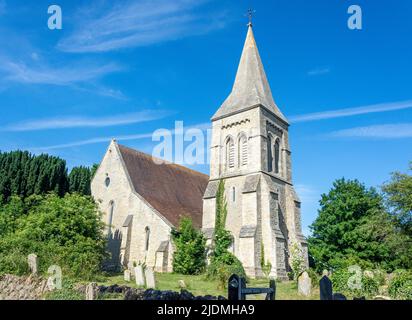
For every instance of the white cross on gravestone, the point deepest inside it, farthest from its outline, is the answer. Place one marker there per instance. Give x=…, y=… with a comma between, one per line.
x=138, y=271
x=150, y=278
x=33, y=263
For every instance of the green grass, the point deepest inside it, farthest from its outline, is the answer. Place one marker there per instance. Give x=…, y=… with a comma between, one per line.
x=199, y=286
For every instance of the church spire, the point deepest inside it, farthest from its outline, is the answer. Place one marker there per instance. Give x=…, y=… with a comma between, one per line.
x=251, y=86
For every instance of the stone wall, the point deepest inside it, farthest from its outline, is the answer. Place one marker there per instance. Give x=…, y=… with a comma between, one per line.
x=22, y=288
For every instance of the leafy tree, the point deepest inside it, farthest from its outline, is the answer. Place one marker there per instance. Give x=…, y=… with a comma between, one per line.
x=65, y=231
x=80, y=179
x=190, y=254
x=24, y=174
x=93, y=169
x=398, y=195
x=353, y=228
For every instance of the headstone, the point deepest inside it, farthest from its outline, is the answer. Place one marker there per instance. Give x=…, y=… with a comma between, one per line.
x=91, y=291
x=325, y=287
x=150, y=278
x=338, y=296
x=304, y=284
x=182, y=284
x=127, y=275
x=138, y=271
x=33, y=263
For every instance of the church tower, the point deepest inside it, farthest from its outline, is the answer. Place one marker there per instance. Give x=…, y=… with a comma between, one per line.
x=250, y=152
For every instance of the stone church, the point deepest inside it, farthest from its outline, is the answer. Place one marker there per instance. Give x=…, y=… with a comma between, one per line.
x=143, y=201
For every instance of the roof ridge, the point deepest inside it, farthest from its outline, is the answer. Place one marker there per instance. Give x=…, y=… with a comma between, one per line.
x=164, y=162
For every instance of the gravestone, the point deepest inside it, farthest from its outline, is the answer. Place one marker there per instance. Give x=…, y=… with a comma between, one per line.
x=325, y=287
x=91, y=291
x=127, y=275
x=150, y=278
x=304, y=284
x=33, y=263
x=339, y=296
x=182, y=284
x=138, y=272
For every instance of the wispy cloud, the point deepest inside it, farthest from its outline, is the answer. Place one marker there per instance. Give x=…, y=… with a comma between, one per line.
x=340, y=113
x=384, y=131
x=87, y=122
x=319, y=71
x=137, y=23
x=79, y=143
x=23, y=73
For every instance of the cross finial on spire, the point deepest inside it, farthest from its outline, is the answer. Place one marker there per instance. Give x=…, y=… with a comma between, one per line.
x=250, y=13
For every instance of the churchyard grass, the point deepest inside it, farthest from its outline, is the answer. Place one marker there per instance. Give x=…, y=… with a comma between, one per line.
x=199, y=286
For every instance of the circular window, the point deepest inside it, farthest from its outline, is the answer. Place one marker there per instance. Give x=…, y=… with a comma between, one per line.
x=107, y=181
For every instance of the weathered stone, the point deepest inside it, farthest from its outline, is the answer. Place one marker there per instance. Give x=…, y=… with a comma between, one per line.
x=304, y=284
x=139, y=275
x=91, y=291
x=33, y=263
x=127, y=275
x=150, y=278
x=182, y=284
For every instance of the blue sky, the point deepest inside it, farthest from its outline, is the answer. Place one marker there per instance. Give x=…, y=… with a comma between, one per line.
x=126, y=68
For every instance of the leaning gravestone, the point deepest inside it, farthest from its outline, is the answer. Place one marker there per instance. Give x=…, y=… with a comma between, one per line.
x=325, y=287
x=139, y=275
x=33, y=263
x=127, y=275
x=304, y=284
x=150, y=279
x=91, y=291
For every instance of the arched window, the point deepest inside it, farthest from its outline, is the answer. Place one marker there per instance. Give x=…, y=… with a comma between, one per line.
x=277, y=156
x=270, y=155
x=233, y=194
x=243, y=151
x=147, y=241
x=230, y=153
x=110, y=219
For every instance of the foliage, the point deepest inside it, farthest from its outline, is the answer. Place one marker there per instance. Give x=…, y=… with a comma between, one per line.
x=79, y=180
x=314, y=277
x=223, y=263
x=265, y=265
x=297, y=261
x=64, y=231
x=398, y=195
x=353, y=228
x=190, y=254
x=24, y=174
x=345, y=282
x=400, y=287
x=67, y=292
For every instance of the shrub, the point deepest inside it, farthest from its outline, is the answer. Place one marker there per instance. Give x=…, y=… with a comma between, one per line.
x=400, y=287
x=190, y=254
x=297, y=262
x=342, y=279
x=314, y=277
x=64, y=231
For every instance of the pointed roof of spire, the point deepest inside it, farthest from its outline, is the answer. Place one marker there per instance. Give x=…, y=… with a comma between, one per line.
x=251, y=86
